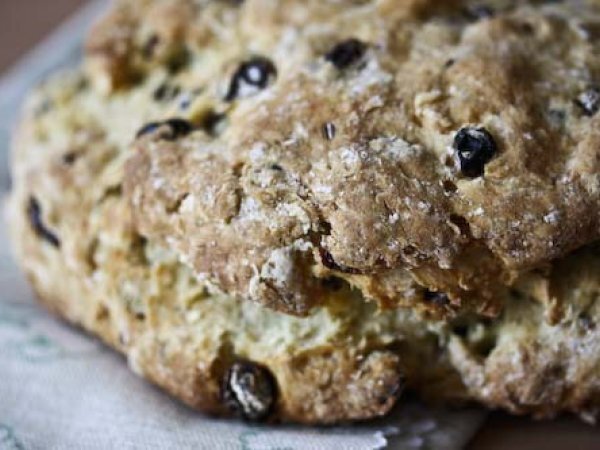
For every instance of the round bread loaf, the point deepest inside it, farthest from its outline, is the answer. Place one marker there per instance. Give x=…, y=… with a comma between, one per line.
x=296, y=210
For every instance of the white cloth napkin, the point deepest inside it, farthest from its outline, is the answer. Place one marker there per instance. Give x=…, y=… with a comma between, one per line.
x=61, y=389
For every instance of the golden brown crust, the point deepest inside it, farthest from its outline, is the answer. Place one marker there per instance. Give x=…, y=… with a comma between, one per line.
x=101, y=275
x=159, y=343
x=234, y=198
x=374, y=383
x=382, y=197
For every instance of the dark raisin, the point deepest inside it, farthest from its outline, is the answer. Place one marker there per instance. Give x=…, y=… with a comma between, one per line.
x=147, y=129
x=178, y=61
x=69, y=158
x=436, y=298
x=174, y=129
x=409, y=250
x=328, y=261
x=166, y=92
x=479, y=12
x=474, y=148
x=346, y=53
x=333, y=283
x=461, y=223
x=179, y=128
x=527, y=28
x=329, y=131
x=586, y=322
x=485, y=347
x=254, y=74
x=160, y=92
x=325, y=228
x=34, y=212
x=461, y=330
x=449, y=186
x=249, y=390
x=589, y=101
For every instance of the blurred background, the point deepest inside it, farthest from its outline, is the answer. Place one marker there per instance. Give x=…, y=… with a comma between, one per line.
x=25, y=23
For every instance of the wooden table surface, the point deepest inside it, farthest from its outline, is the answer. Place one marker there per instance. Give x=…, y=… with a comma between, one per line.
x=25, y=22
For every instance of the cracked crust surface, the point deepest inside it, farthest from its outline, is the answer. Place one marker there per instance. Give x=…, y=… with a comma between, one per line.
x=154, y=243
x=266, y=204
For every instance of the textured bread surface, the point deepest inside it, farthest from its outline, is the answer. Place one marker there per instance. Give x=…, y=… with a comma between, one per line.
x=272, y=192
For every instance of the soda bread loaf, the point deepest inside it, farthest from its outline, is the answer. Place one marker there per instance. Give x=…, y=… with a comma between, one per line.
x=297, y=210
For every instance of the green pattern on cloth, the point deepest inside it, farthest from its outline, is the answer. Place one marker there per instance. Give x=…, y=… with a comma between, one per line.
x=23, y=340
x=8, y=440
